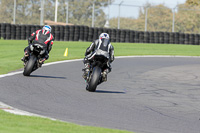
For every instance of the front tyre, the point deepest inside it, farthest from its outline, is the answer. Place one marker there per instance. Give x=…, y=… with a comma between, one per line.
x=95, y=76
x=29, y=65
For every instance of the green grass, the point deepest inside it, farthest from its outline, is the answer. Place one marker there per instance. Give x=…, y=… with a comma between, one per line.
x=10, y=123
x=124, y=49
x=11, y=51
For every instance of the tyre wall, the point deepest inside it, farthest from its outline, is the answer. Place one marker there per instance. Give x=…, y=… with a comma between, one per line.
x=85, y=33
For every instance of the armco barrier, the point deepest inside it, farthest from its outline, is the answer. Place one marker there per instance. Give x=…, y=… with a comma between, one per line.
x=137, y=34
x=81, y=33
x=8, y=31
x=146, y=37
x=132, y=36
x=18, y=32
x=113, y=35
x=23, y=32
x=191, y=39
x=181, y=38
x=71, y=33
x=122, y=35
x=85, y=33
x=161, y=39
x=186, y=39
x=95, y=34
x=61, y=33
x=196, y=39
x=13, y=31
x=76, y=33
x=141, y=37
x=66, y=33
x=127, y=37
x=118, y=35
x=28, y=31
x=57, y=32
x=166, y=37
x=3, y=30
x=90, y=34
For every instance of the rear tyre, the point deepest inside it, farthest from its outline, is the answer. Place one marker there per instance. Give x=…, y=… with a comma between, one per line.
x=92, y=85
x=29, y=66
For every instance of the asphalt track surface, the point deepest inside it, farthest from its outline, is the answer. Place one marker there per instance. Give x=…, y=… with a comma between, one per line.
x=145, y=95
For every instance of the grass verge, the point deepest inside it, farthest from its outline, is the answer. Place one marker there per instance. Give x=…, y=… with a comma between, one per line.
x=10, y=123
x=11, y=51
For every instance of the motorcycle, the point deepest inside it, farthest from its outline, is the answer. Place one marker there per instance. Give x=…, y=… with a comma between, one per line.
x=94, y=77
x=32, y=63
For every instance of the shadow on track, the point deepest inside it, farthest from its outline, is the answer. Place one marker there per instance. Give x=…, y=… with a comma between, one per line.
x=47, y=77
x=116, y=92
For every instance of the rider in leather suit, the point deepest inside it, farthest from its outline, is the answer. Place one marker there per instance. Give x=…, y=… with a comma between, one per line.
x=42, y=37
x=104, y=44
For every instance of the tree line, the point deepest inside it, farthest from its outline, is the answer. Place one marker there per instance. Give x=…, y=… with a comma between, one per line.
x=28, y=12
x=159, y=17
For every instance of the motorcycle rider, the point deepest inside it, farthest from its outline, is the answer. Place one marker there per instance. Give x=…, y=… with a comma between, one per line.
x=103, y=44
x=43, y=37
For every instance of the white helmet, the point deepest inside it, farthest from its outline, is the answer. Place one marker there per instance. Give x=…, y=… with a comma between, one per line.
x=104, y=35
x=47, y=27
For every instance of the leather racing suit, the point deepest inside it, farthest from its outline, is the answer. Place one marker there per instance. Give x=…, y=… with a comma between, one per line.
x=104, y=45
x=42, y=37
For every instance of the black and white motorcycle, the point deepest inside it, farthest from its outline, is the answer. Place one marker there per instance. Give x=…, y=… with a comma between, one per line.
x=32, y=63
x=94, y=77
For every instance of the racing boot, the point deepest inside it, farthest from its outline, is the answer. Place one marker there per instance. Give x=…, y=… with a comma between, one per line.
x=41, y=61
x=25, y=58
x=86, y=70
x=104, y=75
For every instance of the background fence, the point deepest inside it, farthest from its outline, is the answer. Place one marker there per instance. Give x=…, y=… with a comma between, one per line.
x=85, y=33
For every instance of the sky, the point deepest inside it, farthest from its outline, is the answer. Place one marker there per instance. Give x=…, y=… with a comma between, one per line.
x=130, y=11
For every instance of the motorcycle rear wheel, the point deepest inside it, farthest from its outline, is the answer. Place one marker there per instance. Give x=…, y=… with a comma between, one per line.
x=29, y=65
x=92, y=85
